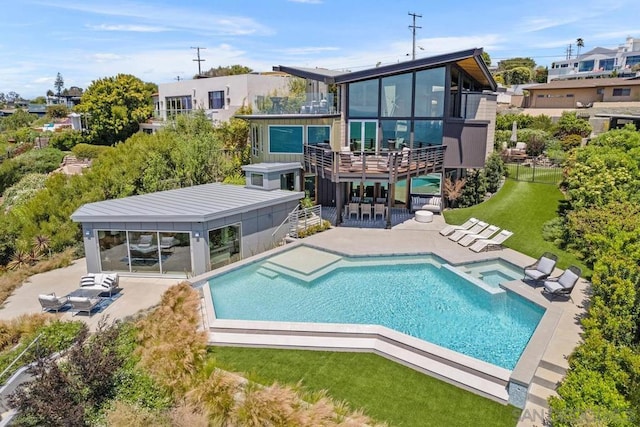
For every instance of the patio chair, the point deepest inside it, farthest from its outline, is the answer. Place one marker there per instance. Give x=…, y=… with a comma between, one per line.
x=365, y=209
x=452, y=228
x=79, y=304
x=563, y=284
x=52, y=302
x=542, y=268
x=475, y=229
x=487, y=233
x=495, y=243
x=353, y=209
x=379, y=209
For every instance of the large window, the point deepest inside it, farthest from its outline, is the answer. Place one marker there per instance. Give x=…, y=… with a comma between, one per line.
x=396, y=95
x=430, y=93
x=632, y=60
x=606, y=64
x=224, y=245
x=427, y=132
x=586, y=65
x=318, y=134
x=178, y=104
x=216, y=100
x=621, y=91
x=363, y=99
x=145, y=251
x=395, y=134
x=285, y=139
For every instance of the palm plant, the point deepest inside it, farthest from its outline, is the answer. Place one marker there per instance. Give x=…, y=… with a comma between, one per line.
x=41, y=244
x=579, y=44
x=19, y=260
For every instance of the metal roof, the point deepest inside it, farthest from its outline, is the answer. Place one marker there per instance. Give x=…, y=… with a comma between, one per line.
x=272, y=167
x=199, y=203
x=469, y=60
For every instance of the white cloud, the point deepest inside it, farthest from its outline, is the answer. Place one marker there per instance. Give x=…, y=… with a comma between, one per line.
x=40, y=80
x=128, y=28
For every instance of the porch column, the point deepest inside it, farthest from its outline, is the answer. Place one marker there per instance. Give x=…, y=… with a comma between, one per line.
x=390, y=191
x=339, y=204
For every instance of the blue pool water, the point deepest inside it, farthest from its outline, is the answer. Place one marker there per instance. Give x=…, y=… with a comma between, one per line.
x=418, y=299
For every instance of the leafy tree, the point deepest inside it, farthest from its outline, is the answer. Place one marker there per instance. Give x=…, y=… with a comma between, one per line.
x=114, y=106
x=227, y=71
x=66, y=139
x=12, y=97
x=509, y=64
x=57, y=111
x=486, y=58
x=59, y=84
x=474, y=189
x=540, y=74
x=17, y=120
x=494, y=171
x=518, y=75
x=39, y=100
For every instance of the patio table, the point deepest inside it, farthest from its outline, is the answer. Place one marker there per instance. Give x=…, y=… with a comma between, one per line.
x=86, y=293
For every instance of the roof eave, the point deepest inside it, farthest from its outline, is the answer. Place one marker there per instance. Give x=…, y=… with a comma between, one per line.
x=304, y=74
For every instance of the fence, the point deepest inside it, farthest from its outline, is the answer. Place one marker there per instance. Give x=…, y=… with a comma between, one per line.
x=534, y=169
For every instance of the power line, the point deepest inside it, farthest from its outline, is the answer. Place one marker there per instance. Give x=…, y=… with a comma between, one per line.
x=413, y=29
x=197, y=48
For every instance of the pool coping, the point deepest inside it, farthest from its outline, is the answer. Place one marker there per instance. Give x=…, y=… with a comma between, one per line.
x=483, y=378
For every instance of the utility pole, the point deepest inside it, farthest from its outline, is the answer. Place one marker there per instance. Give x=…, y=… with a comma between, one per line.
x=413, y=29
x=197, y=48
x=569, y=51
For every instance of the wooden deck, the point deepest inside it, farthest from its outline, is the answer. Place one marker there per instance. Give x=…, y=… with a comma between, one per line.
x=387, y=166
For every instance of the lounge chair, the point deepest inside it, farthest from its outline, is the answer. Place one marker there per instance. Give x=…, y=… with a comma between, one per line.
x=475, y=229
x=542, y=268
x=563, y=284
x=495, y=243
x=52, y=302
x=449, y=229
x=79, y=304
x=487, y=233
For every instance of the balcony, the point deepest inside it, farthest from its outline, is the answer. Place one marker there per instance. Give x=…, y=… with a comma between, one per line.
x=389, y=166
x=309, y=103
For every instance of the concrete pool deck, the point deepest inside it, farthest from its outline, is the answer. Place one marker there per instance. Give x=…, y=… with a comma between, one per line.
x=542, y=365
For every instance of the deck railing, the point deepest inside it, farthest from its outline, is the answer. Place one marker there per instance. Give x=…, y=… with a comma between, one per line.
x=387, y=165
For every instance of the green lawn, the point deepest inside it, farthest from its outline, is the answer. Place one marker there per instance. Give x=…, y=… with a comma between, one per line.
x=522, y=207
x=387, y=391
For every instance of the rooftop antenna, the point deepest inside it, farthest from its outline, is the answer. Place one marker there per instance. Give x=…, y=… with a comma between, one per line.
x=413, y=29
x=197, y=48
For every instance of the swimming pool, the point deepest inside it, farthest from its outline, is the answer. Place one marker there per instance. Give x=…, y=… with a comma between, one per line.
x=413, y=295
x=493, y=272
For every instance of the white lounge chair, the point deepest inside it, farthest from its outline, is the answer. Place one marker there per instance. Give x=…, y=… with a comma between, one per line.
x=52, y=302
x=85, y=304
x=449, y=229
x=563, y=284
x=495, y=243
x=487, y=233
x=477, y=228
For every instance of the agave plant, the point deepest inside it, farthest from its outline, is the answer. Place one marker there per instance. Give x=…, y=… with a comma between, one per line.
x=19, y=260
x=41, y=244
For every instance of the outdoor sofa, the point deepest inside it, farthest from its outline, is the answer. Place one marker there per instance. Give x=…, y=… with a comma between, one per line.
x=426, y=203
x=52, y=302
x=105, y=282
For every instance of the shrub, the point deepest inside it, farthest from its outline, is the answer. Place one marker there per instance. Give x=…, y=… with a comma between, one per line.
x=88, y=151
x=571, y=141
x=474, y=189
x=571, y=124
x=503, y=139
x=57, y=111
x=542, y=122
x=505, y=121
x=494, y=171
x=66, y=139
x=23, y=190
x=43, y=160
x=324, y=225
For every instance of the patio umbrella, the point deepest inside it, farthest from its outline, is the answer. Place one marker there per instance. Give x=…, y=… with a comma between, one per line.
x=514, y=132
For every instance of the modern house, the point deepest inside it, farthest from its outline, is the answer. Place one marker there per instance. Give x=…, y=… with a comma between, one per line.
x=219, y=97
x=583, y=92
x=187, y=231
x=384, y=133
x=599, y=62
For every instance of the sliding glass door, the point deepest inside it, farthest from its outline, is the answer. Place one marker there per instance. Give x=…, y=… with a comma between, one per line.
x=363, y=135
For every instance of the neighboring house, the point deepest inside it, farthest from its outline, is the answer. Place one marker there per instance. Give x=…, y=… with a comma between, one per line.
x=187, y=231
x=219, y=97
x=387, y=126
x=583, y=92
x=599, y=62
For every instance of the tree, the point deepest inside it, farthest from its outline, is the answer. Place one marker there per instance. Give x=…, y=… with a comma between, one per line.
x=486, y=58
x=518, y=75
x=114, y=106
x=39, y=100
x=227, y=71
x=579, y=44
x=50, y=93
x=58, y=84
x=509, y=64
x=540, y=74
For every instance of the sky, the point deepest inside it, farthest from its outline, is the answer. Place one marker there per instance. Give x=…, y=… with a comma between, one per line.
x=86, y=40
